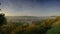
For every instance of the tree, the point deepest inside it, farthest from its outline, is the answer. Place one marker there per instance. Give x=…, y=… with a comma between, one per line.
x=2, y=19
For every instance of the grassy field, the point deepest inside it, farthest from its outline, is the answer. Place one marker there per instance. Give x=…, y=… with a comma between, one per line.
x=45, y=26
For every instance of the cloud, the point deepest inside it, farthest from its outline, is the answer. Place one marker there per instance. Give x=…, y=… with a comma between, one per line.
x=30, y=8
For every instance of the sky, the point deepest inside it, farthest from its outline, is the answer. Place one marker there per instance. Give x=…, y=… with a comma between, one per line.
x=30, y=7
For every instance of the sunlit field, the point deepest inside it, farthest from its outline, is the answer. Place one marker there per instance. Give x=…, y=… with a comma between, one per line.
x=30, y=25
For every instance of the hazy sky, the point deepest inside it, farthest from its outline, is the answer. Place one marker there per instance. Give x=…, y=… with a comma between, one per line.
x=30, y=7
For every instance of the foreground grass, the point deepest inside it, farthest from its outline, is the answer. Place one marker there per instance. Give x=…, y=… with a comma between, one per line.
x=46, y=26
